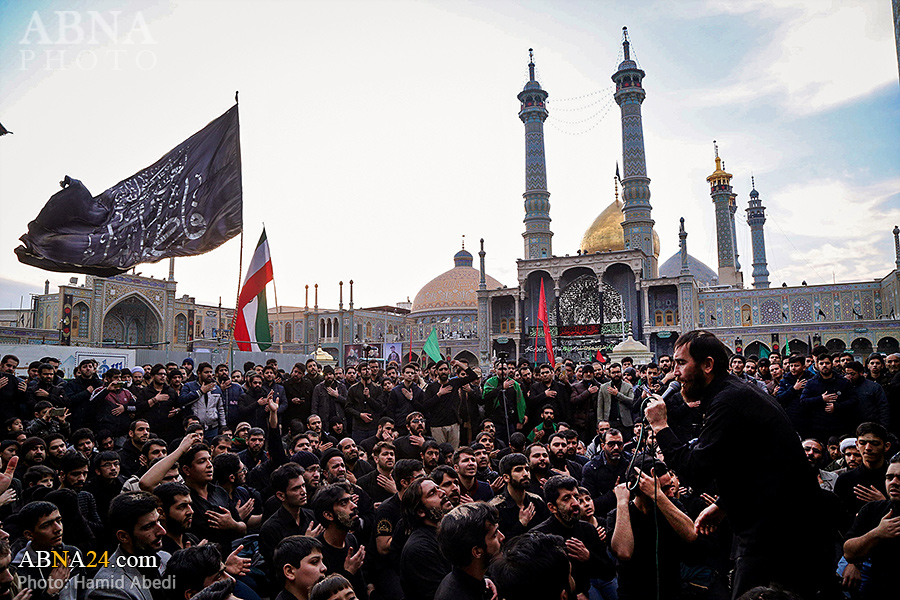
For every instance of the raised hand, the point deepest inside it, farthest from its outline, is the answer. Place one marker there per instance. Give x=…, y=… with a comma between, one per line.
x=526, y=513
x=353, y=562
x=235, y=565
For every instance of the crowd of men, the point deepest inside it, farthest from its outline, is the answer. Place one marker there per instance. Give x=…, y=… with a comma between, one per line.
x=396, y=481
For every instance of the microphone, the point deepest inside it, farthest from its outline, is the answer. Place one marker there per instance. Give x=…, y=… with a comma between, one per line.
x=674, y=388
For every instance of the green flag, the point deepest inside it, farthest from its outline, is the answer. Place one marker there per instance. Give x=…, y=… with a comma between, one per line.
x=431, y=347
x=787, y=348
x=763, y=351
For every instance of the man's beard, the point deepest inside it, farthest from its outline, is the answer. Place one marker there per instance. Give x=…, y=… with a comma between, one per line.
x=434, y=514
x=558, y=461
x=348, y=522
x=692, y=387
x=569, y=517
x=520, y=484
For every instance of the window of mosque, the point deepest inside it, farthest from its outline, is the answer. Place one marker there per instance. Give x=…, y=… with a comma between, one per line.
x=180, y=329
x=288, y=333
x=502, y=325
x=746, y=315
x=670, y=318
x=368, y=329
x=80, y=320
x=659, y=318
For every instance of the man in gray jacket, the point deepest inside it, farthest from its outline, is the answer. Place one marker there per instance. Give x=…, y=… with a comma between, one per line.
x=615, y=400
x=135, y=521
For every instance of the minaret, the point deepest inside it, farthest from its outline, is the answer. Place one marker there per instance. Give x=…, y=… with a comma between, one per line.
x=732, y=208
x=533, y=112
x=896, y=233
x=482, y=283
x=682, y=246
x=720, y=190
x=637, y=226
x=756, y=218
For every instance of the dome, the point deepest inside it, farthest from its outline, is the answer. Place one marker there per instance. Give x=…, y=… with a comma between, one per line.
x=453, y=289
x=699, y=270
x=463, y=258
x=606, y=234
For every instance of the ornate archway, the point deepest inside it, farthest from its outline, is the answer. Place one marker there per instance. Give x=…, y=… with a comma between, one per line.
x=132, y=321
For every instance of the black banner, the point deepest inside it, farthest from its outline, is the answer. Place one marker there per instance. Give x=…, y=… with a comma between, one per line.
x=65, y=338
x=187, y=203
x=190, y=330
x=587, y=330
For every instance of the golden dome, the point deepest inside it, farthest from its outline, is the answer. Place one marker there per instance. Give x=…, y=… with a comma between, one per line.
x=606, y=234
x=453, y=289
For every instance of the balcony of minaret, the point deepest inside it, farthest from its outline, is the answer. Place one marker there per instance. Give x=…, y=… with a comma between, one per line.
x=533, y=101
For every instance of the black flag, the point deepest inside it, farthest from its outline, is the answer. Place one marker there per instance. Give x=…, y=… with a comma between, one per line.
x=4, y=130
x=187, y=203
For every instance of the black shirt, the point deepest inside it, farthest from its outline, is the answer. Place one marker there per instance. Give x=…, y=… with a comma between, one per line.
x=279, y=526
x=885, y=556
x=861, y=475
x=443, y=410
x=334, y=562
x=508, y=510
x=459, y=585
x=598, y=565
x=369, y=484
x=422, y=566
x=216, y=500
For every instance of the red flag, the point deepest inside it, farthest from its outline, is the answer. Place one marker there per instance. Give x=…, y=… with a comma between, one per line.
x=542, y=318
x=600, y=358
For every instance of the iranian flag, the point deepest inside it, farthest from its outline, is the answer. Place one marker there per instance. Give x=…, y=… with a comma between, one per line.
x=251, y=331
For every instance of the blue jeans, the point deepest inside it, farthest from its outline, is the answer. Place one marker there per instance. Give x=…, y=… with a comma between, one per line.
x=604, y=590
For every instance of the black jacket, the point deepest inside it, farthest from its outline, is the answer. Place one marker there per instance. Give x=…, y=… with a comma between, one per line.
x=767, y=489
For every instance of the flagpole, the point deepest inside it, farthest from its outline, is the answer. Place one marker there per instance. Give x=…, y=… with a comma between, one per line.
x=237, y=302
x=275, y=293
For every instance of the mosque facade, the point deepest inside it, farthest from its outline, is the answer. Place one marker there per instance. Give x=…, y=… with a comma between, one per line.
x=613, y=286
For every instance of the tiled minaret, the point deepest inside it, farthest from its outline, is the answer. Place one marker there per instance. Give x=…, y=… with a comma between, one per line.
x=682, y=247
x=756, y=218
x=533, y=112
x=722, y=197
x=637, y=226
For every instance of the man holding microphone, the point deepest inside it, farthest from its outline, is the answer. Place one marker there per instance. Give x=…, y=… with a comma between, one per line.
x=767, y=490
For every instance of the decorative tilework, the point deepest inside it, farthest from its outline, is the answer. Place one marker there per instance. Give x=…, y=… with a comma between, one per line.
x=801, y=311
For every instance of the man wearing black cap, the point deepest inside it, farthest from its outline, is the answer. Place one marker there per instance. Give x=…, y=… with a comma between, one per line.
x=312, y=472
x=188, y=365
x=33, y=452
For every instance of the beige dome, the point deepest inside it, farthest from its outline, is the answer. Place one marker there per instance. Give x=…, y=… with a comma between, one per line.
x=453, y=289
x=606, y=234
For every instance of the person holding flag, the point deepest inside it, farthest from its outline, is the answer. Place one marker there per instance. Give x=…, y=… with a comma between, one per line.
x=504, y=401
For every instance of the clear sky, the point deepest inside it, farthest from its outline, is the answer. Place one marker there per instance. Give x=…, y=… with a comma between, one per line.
x=375, y=134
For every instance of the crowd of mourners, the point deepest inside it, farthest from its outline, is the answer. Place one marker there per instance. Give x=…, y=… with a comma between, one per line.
x=178, y=482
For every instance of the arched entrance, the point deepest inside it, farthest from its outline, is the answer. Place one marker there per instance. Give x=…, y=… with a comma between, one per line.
x=467, y=356
x=131, y=322
x=797, y=347
x=861, y=348
x=835, y=345
x=888, y=345
x=757, y=349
